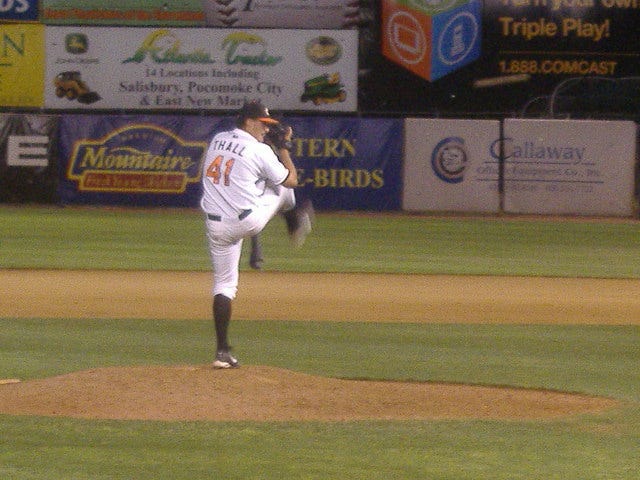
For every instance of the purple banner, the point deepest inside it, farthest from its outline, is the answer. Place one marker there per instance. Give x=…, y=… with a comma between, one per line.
x=19, y=10
x=344, y=163
x=349, y=163
x=133, y=160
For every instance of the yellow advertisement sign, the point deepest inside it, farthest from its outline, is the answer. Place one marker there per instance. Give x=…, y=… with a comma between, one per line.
x=21, y=65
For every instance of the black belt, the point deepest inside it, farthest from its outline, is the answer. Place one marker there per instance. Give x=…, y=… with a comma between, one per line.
x=217, y=218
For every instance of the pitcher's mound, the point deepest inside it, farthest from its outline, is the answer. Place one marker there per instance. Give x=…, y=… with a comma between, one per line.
x=266, y=393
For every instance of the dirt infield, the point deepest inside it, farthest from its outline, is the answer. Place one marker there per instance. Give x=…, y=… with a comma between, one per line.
x=256, y=392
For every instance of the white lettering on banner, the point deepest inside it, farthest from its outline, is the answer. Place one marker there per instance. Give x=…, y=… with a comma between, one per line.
x=18, y=6
x=27, y=151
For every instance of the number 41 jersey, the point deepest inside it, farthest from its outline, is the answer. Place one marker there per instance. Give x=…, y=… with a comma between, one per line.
x=235, y=171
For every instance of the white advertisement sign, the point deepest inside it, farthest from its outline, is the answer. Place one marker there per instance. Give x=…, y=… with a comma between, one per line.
x=581, y=167
x=451, y=165
x=200, y=68
x=282, y=13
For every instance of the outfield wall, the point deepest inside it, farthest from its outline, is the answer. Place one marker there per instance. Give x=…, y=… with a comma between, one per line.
x=451, y=165
x=520, y=166
x=514, y=166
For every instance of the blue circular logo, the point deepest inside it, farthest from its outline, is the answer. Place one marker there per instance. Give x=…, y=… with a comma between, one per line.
x=458, y=38
x=449, y=160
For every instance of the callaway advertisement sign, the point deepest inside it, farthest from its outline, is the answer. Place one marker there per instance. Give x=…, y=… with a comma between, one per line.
x=450, y=165
x=210, y=69
x=569, y=167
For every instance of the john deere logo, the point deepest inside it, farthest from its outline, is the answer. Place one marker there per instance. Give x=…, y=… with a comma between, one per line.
x=76, y=43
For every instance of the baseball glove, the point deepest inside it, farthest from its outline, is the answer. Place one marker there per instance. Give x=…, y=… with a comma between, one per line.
x=276, y=136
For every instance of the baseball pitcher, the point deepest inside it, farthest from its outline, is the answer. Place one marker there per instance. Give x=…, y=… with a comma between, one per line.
x=245, y=184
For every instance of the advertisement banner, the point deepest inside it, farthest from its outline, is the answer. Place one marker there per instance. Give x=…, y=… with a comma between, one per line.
x=303, y=14
x=343, y=164
x=535, y=57
x=572, y=167
x=312, y=14
x=19, y=11
x=431, y=39
x=555, y=38
x=200, y=69
x=21, y=65
x=451, y=165
x=540, y=45
x=28, y=160
x=133, y=160
x=123, y=12
x=348, y=163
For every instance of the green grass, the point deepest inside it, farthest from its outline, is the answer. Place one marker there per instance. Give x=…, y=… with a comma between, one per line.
x=592, y=359
x=63, y=448
x=71, y=238
x=599, y=360
x=101, y=239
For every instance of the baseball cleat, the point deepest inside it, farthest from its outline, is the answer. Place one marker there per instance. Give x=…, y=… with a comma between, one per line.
x=305, y=217
x=256, y=259
x=256, y=263
x=225, y=360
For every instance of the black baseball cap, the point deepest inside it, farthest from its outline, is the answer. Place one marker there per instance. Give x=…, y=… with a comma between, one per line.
x=257, y=111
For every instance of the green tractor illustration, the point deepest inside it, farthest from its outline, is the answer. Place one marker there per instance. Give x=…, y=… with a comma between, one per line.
x=71, y=86
x=324, y=89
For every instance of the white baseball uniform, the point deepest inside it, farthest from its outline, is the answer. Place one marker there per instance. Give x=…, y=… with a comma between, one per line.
x=242, y=191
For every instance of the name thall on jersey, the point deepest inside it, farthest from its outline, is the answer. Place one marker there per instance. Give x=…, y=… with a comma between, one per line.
x=232, y=147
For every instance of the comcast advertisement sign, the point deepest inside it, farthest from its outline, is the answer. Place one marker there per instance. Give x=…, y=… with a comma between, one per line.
x=560, y=37
x=549, y=56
